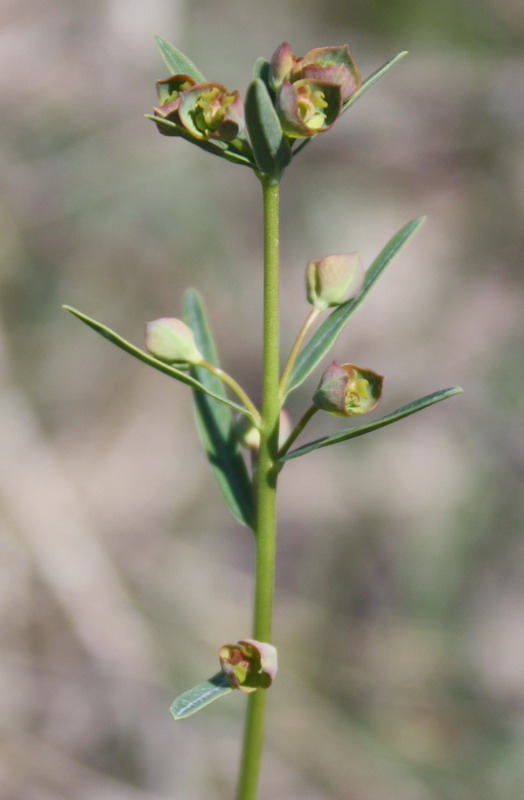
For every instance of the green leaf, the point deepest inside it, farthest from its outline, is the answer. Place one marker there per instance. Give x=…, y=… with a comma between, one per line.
x=327, y=333
x=216, y=423
x=373, y=78
x=360, y=430
x=200, y=696
x=270, y=147
x=183, y=377
x=178, y=63
x=261, y=70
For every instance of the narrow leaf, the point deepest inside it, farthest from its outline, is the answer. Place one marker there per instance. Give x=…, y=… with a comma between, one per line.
x=200, y=696
x=373, y=78
x=178, y=63
x=183, y=377
x=327, y=333
x=271, y=150
x=216, y=423
x=360, y=430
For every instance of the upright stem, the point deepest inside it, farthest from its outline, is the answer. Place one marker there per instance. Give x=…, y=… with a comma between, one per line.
x=266, y=484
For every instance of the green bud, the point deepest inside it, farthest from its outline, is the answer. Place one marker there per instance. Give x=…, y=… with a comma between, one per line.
x=345, y=390
x=171, y=340
x=281, y=65
x=249, y=665
x=334, y=279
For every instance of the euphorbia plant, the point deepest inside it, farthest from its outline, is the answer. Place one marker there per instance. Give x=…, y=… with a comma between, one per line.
x=290, y=101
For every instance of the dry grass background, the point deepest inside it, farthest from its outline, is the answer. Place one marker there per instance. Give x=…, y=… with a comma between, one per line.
x=400, y=590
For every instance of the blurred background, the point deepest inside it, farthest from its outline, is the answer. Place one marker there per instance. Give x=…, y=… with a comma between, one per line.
x=400, y=588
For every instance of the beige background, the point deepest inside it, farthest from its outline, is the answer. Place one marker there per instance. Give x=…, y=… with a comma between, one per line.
x=400, y=590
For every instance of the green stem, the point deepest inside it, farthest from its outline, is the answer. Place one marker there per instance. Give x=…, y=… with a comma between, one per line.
x=234, y=386
x=297, y=430
x=295, y=350
x=266, y=480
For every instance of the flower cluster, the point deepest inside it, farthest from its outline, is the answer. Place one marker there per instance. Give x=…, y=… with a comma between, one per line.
x=292, y=98
x=202, y=110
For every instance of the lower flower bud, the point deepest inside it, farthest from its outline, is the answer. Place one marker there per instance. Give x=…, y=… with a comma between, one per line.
x=171, y=340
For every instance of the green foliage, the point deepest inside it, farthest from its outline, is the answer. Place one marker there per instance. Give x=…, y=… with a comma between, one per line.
x=200, y=696
x=270, y=147
x=326, y=335
x=178, y=63
x=161, y=366
x=373, y=78
x=360, y=430
x=216, y=425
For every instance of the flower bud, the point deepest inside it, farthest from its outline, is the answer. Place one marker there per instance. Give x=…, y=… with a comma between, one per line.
x=282, y=62
x=171, y=340
x=249, y=665
x=345, y=390
x=334, y=279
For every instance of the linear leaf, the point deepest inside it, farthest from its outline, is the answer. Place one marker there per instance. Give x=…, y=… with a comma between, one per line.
x=373, y=78
x=360, y=430
x=200, y=696
x=178, y=63
x=326, y=335
x=215, y=421
x=183, y=377
x=270, y=147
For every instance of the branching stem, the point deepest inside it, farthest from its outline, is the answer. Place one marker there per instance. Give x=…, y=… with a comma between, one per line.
x=235, y=387
x=295, y=350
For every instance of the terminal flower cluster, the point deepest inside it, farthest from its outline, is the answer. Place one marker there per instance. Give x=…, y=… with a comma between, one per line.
x=300, y=97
